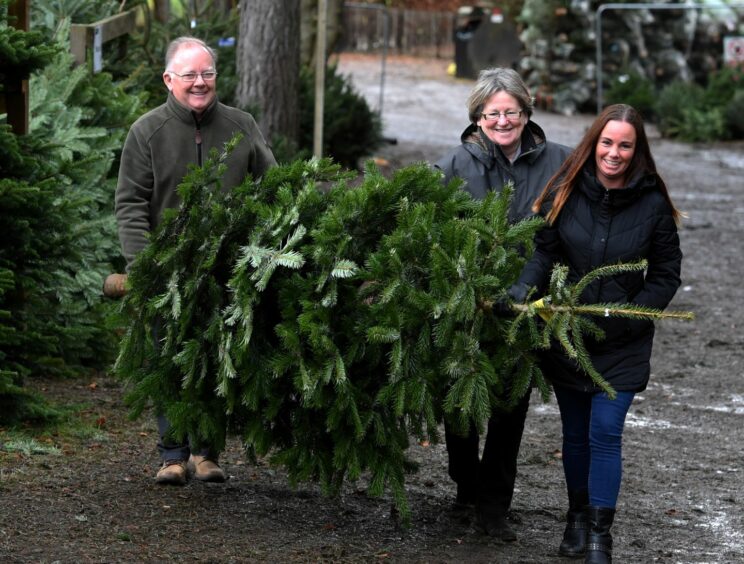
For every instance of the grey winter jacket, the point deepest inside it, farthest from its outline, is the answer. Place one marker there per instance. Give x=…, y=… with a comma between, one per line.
x=597, y=227
x=158, y=149
x=483, y=166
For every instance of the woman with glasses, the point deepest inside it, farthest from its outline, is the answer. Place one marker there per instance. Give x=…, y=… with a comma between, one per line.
x=500, y=145
x=606, y=204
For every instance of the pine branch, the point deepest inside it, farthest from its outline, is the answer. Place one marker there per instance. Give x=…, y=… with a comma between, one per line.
x=565, y=319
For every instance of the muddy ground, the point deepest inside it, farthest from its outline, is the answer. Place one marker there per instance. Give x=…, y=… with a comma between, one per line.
x=681, y=499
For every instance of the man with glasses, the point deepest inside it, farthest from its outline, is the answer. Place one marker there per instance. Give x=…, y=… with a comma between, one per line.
x=158, y=149
x=500, y=145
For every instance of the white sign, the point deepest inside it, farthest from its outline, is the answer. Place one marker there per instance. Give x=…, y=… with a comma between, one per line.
x=733, y=50
x=97, y=49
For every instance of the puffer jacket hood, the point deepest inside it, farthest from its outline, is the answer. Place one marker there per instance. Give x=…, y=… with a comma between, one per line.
x=481, y=147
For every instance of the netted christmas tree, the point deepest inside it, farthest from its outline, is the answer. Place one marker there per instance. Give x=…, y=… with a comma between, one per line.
x=327, y=325
x=650, y=46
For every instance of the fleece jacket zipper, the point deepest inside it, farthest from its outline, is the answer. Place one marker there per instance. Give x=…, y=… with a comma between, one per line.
x=197, y=139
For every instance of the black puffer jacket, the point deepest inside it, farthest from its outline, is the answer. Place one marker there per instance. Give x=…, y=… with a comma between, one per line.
x=483, y=166
x=598, y=227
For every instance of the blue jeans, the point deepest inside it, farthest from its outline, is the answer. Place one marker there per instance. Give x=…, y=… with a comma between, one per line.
x=592, y=442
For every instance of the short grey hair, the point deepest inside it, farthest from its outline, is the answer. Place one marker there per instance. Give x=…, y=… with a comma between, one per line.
x=179, y=42
x=491, y=81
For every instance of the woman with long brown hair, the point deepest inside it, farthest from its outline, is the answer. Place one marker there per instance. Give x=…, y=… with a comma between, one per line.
x=606, y=204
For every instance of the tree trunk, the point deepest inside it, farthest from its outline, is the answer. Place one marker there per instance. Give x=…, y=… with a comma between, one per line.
x=309, y=29
x=223, y=6
x=162, y=10
x=268, y=65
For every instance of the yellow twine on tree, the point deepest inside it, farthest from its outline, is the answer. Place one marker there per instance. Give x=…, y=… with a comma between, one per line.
x=542, y=310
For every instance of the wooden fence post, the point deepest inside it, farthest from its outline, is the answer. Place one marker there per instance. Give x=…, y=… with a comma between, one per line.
x=162, y=10
x=16, y=88
x=93, y=36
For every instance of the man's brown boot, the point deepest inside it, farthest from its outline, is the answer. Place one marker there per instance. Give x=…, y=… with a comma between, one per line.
x=173, y=472
x=205, y=469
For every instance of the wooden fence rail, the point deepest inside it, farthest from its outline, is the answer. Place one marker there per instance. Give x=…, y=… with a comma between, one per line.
x=85, y=37
x=412, y=32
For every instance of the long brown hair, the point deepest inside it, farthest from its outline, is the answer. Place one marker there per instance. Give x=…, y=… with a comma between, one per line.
x=562, y=183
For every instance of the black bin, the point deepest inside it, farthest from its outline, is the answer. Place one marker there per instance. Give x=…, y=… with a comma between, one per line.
x=484, y=38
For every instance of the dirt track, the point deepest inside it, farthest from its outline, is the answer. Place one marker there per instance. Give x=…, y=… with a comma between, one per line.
x=681, y=498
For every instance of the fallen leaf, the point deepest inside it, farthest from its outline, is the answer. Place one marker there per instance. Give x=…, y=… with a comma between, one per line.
x=101, y=422
x=93, y=385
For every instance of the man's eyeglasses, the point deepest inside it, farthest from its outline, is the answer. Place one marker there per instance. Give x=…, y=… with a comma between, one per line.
x=191, y=76
x=511, y=115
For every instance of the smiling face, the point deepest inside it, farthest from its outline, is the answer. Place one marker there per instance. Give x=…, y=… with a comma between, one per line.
x=614, y=151
x=503, y=131
x=197, y=95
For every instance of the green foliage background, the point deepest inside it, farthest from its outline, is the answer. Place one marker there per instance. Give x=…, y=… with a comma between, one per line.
x=687, y=110
x=351, y=129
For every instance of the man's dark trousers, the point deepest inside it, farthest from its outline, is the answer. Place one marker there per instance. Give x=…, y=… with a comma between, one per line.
x=489, y=480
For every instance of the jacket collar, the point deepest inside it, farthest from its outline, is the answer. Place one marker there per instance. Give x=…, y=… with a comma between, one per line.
x=617, y=197
x=188, y=116
x=481, y=147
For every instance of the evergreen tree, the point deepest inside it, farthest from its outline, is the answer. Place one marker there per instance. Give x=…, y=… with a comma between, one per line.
x=327, y=325
x=56, y=200
x=21, y=53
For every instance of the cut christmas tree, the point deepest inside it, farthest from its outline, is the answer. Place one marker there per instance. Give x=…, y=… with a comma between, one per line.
x=327, y=325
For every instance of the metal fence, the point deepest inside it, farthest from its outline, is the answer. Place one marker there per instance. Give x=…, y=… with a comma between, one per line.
x=409, y=32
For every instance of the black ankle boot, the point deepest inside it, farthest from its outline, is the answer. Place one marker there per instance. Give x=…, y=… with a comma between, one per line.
x=492, y=520
x=574, y=536
x=599, y=539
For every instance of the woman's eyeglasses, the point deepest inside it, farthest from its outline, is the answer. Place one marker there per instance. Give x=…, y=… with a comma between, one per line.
x=511, y=115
